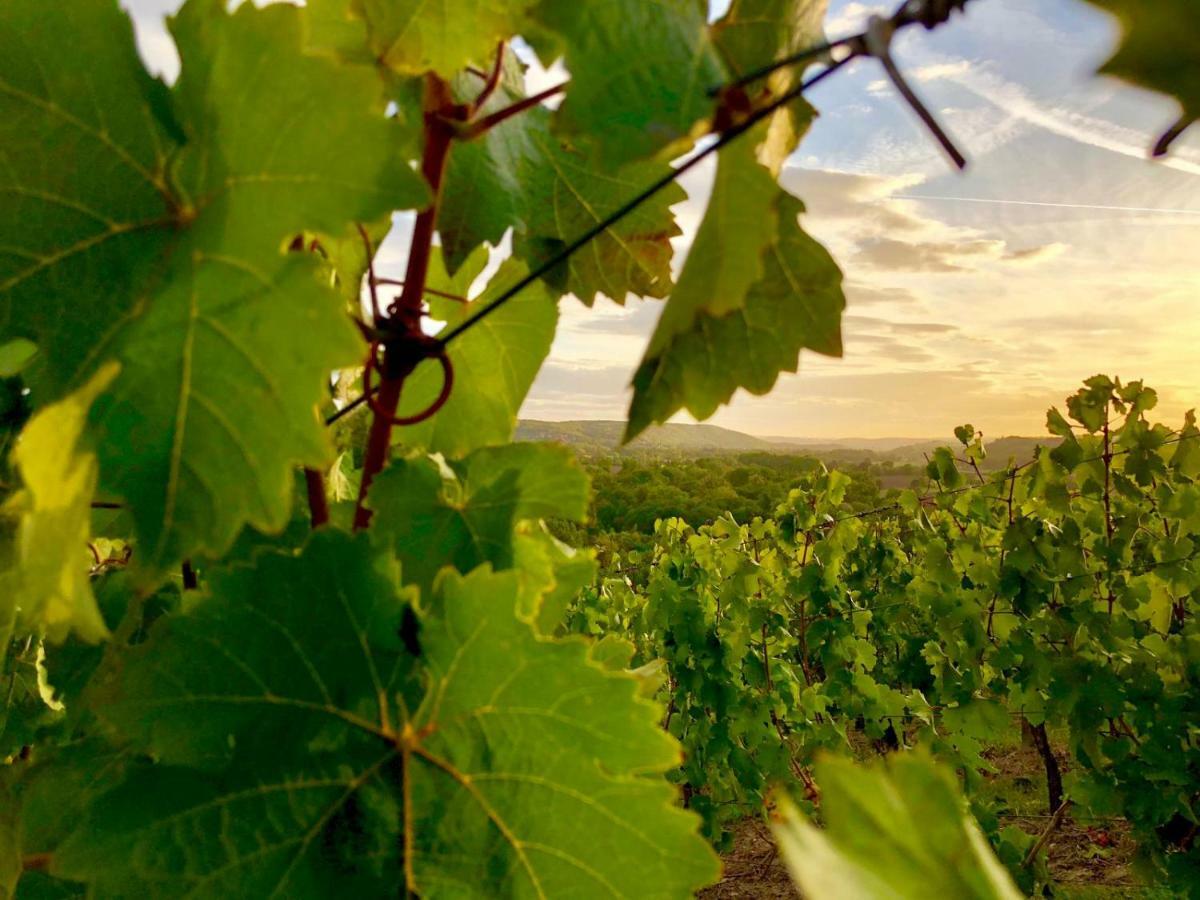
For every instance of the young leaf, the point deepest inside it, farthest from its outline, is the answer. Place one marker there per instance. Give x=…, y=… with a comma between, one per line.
x=212, y=407
x=46, y=589
x=900, y=831
x=753, y=31
x=797, y=303
x=467, y=514
x=727, y=255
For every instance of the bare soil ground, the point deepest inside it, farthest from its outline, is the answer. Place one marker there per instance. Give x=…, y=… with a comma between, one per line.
x=1088, y=859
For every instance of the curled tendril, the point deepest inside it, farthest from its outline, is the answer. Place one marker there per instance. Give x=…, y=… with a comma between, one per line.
x=371, y=394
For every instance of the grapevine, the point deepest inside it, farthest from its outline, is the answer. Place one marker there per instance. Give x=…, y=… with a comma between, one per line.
x=281, y=612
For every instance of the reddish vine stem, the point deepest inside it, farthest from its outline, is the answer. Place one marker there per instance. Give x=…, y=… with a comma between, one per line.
x=318, y=501
x=488, y=122
x=492, y=82
x=432, y=292
x=408, y=306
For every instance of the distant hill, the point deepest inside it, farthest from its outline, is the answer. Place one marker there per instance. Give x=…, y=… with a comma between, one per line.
x=598, y=437
x=877, y=445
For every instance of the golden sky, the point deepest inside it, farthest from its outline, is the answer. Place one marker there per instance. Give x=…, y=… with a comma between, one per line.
x=984, y=297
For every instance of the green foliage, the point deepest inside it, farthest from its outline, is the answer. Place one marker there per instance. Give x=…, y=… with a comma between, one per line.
x=888, y=832
x=264, y=712
x=494, y=367
x=465, y=514
x=389, y=760
x=44, y=587
x=1057, y=591
x=797, y=303
x=211, y=408
x=648, y=100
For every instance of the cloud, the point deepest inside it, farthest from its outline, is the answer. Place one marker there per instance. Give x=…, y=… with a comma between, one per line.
x=637, y=317
x=951, y=256
x=875, y=221
x=860, y=294
x=1035, y=255
x=923, y=327
x=852, y=17
x=1020, y=104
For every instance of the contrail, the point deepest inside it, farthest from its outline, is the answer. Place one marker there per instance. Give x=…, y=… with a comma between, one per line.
x=1137, y=209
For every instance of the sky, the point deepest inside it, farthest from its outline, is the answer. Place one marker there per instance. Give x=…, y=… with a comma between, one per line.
x=982, y=297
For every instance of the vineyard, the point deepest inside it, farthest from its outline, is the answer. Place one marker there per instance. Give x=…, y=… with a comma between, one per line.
x=1055, y=591
x=284, y=609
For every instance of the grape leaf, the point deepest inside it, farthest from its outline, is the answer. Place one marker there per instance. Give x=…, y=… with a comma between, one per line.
x=726, y=257
x=551, y=573
x=797, y=303
x=897, y=831
x=1158, y=49
x=640, y=73
x=441, y=36
x=753, y=31
x=187, y=258
x=466, y=513
x=485, y=790
x=521, y=176
x=501, y=756
x=495, y=362
x=46, y=588
x=66, y=233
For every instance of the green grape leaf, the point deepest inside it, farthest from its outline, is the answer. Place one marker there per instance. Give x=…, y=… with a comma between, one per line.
x=441, y=36
x=1158, y=49
x=900, y=830
x=183, y=246
x=551, y=573
x=501, y=759
x=495, y=362
x=325, y=782
x=521, y=176
x=335, y=29
x=651, y=97
x=45, y=587
x=797, y=303
x=466, y=514
x=458, y=284
x=727, y=256
x=346, y=261
x=482, y=187
x=753, y=31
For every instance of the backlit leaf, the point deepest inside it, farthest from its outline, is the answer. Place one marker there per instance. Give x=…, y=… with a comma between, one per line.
x=183, y=247
x=1158, y=49
x=796, y=304
x=466, y=513
x=45, y=585
x=640, y=73
x=495, y=362
x=489, y=787
x=895, y=831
